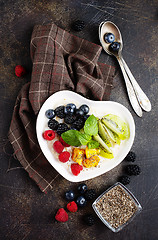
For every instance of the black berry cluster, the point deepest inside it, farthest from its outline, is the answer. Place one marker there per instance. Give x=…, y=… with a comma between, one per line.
x=78, y=25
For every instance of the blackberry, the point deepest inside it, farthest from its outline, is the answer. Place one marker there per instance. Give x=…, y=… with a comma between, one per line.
x=90, y=194
x=62, y=127
x=59, y=111
x=89, y=219
x=133, y=170
x=78, y=124
x=124, y=180
x=131, y=157
x=69, y=119
x=78, y=25
x=53, y=124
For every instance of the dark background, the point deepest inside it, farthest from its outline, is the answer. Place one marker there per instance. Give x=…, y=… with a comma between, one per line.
x=26, y=212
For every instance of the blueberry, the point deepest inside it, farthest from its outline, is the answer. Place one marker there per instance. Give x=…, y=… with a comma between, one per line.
x=81, y=201
x=82, y=188
x=84, y=108
x=109, y=37
x=79, y=112
x=114, y=47
x=50, y=113
x=70, y=108
x=69, y=195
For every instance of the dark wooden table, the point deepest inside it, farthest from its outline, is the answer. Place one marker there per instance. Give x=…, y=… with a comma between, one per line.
x=27, y=213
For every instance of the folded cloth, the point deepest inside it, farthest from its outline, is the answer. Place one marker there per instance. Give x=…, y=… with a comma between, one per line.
x=60, y=61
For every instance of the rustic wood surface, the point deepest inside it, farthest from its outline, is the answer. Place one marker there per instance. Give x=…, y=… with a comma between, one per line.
x=25, y=212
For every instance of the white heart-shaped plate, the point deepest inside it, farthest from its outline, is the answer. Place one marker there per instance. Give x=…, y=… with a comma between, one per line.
x=99, y=109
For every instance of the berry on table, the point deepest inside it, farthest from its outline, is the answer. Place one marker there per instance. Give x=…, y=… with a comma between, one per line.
x=19, y=71
x=50, y=113
x=72, y=206
x=81, y=201
x=49, y=135
x=89, y=219
x=84, y=108
x=114, y=47
x=58, y=147
x=61, y=215
x=53, y=124
x=70, y=195
x=78, y=25
x=124, y=180
x=63, y=142
x=62, y=127
x=90, y=194
x=64, y=156
x=70, y=108
x=131, y=157
x=109, y=37
x=76, y=168
x=133, y=170
x=59, y=111
x=82, y=188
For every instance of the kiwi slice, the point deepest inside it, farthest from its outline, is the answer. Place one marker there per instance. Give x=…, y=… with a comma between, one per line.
x=104, y=134
x=104, y=153
x=102, y=143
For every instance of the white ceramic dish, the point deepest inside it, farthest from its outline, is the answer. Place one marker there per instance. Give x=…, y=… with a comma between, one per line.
x=99, y=109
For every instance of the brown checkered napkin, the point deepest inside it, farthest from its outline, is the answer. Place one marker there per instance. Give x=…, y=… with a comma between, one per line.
x=60, y=61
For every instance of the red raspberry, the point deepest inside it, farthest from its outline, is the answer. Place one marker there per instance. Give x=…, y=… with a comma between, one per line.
x=64, y=156
x=64, y=143
x=19, y=71
x=58, y=147
x=72, y=206
x=76, y=168
x=49, y=135
x=61, y=215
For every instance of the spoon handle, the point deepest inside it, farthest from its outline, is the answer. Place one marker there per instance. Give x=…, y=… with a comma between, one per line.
x=142, y=98
x=131, y=93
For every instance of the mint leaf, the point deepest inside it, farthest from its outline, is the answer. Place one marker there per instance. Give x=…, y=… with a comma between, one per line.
x=92, y=144
x=71, y=138
x=91, y=125
x=83, y=137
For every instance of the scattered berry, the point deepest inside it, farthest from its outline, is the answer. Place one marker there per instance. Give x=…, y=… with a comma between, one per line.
x=109, y=37
x=131, y=157
x=19, y=71
x=78, y=25
x=69, y=118
x=49, y=135
x=114, y=47
x=62, y=127
x=89, y=219
x=78, y=124
x=72, y=206
x=59, y=111
x=82, y=188
x=81, y=201
x=61, y=215
x=133, y=170
x=64, y=156
x=124, y=180
x=84, y=108
x=70, y=108
x=79, y=112
x=58, y=147
x=69, y=195
x=76, y=168
x=50, y=113
x=63, y=142
x=53, y=124
x=90, y=194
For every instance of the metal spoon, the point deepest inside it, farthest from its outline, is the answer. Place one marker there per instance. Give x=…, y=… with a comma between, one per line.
x=135, y=93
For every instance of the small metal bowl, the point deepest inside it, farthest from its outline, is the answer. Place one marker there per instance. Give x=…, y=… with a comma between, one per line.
x=116, y=207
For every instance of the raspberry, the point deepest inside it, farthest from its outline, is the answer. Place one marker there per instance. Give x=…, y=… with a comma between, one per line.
x=133, y=170
x=90, y=194
x=131, y=156
x=89, y=219
x=59, y=111
x=72, y=206
x=19, y=71
x=61, y=215
x=49, y=135
x=64, y=156
x=76, y=168
x=62, y=127
x=124, y=180
x=53, y=124
x=64, y=143
x=58, y=147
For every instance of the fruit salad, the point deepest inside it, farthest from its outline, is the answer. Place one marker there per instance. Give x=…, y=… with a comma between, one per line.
x=81, y=138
